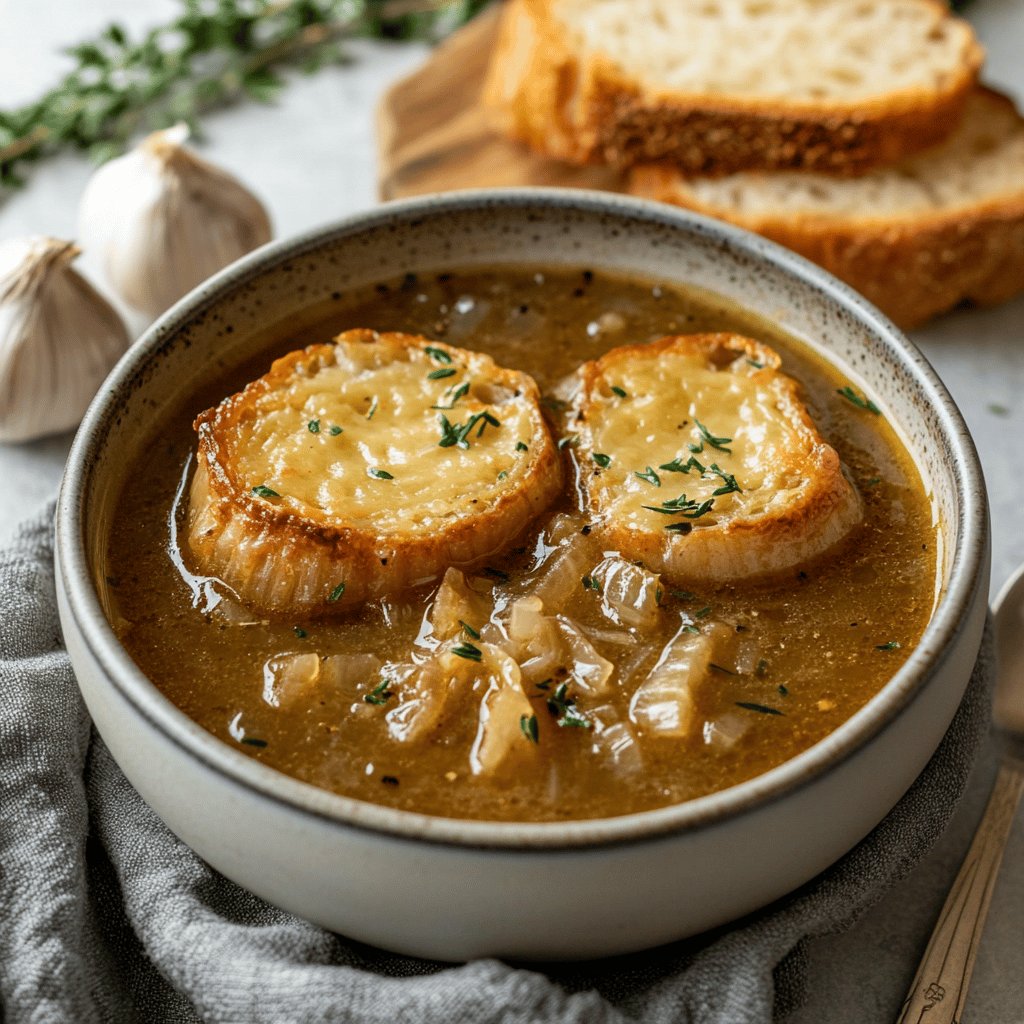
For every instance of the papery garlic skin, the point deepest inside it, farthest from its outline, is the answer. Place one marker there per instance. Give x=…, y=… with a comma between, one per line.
x=160, y=220
x=59, y=339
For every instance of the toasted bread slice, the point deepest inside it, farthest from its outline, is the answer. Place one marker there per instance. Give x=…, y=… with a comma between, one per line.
x=728, y=85
x=358, y=469
x=916, y=239
x=698, y=459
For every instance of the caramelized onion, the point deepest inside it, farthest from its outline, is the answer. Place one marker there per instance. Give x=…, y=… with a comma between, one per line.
x=629, y=593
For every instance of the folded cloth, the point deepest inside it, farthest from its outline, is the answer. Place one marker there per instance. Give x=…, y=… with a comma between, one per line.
x=107, y=916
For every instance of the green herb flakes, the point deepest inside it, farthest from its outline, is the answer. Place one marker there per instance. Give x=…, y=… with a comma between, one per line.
x=861, y=402
x=262, y=491
x=892, y=645
x=379, y=474
x=252, y=741
x=469, y=630
x=336, y=593
x=438, y=354
x=461, y=391
x=334, y=431
x=589, y=583
x=313, y=426
x=300, y=632
x=604, y=461
x=529, y=727
x=616, y=390
x=522, y=446
x=649, y=475
x=760, y=708
x=678, y=466
x=709, y=439
x=441, y=374
x=373, y=408
x=380, y=694
x=468, y=651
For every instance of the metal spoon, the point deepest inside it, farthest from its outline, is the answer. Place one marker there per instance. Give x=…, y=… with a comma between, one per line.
x=939, y=989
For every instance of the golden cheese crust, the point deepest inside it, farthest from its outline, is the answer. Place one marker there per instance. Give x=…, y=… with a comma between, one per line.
x=698, y=459
x=583, y=108
x=355, y=470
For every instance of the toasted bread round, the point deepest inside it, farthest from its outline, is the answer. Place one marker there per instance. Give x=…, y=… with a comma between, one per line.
x=698, y=459
x=938, y=228
x=358, y=469
x=727, y=86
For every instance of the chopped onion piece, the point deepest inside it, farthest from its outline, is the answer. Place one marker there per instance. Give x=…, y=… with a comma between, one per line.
x=349, y=670
x=723, y=733
x=455, y=603
x=629, y=593
x=290, y=677
x=614, y=739
x=503, y=710
x=746, y=657
x=423, y=692
x=664, y=704
x=562, y=574
x=590, y=671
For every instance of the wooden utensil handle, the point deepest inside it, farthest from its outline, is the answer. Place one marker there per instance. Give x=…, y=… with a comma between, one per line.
x=939, y=989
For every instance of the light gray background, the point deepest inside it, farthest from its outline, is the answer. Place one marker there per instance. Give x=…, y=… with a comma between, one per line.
x=311, y=158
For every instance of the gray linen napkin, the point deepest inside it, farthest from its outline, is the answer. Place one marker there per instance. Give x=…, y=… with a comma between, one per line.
x=106, y=916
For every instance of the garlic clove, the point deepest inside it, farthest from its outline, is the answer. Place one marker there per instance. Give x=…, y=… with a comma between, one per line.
x=161, y=220
x=59, y=339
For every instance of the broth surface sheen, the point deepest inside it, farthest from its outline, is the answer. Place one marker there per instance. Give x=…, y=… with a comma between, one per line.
x=805, y=651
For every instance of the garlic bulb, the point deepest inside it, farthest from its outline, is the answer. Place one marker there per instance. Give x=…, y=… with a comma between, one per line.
x=58, y=339
x=160, y=221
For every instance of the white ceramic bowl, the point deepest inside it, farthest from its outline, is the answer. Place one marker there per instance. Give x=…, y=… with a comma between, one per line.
x=453, y=889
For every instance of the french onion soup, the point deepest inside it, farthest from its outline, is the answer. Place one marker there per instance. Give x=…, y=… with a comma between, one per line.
x=523, y=544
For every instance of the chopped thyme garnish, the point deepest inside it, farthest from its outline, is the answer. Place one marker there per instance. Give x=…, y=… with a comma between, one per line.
x=762, y=708
x=379, y=694
x=728, y=481
x=649, y=475
x=756, y=364
x=372, y=409
x=503, y=475
x=470, y=631
x=873, y=481
x=676, y=466
x=262, y=491
x=589, y=583
x=458, y=433
x=683, y=595
x=892, y=645
x=862, y=403
x=460, y=391
x=696, y=448
x=300, y=632
x=389, y=780
x=682, y=506
x=619, y=391
x=783, y=689
x=688, y=628
x=530, y=729
x=522, y=446
x=569, y=441
x=710, y=439
x=313, y=426
x=334, y=431
x=721, y=668
x=495, y=574
x=682, y=528
x=544, y=683
x=441, y=374
x=703, y=613
x=335, y=594
x=468, y=651
x=438, y=354
x=563, y=707
x=379, y=474
x=604, y=461
x=252, y=741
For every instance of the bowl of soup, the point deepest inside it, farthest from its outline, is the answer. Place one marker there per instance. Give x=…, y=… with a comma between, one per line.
x=568, y=730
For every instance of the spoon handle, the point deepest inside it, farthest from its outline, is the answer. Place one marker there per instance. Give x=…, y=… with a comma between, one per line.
x=939, y=989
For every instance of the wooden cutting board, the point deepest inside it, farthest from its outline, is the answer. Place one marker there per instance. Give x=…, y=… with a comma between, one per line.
x=433, y=134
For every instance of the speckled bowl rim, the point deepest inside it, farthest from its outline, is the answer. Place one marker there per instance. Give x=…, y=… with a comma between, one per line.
x=948, y=619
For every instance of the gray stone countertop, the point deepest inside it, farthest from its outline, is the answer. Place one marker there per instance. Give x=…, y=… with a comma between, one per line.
x=311, y=157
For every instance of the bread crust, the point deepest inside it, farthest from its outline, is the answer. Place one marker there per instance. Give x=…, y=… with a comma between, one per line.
x=763, y=536
x=290, y=560
x=584, y=109
x=912, y=267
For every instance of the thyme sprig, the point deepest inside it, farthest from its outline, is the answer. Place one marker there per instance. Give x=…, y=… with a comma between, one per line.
x=212, y=54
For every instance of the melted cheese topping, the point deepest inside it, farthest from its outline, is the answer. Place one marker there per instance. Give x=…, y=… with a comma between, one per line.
x=386, y=468
x=750, y=441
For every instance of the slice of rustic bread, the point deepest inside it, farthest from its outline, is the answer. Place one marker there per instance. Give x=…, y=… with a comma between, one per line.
x=724, y=85
x=698, y=459
x=916, y=239
x=362, y=468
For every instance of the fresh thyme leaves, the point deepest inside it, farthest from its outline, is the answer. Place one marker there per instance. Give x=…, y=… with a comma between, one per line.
x=335, y=594
x=529, y=727
x=460, y=391
x=569, y=441
x=496, y=574
x=563, y=707
x=861, y=402
x=389, y=780
x=721, y=668
x=373, y=408
x=379, y=694
x=728, y=481
x=503, y=475
x=204, y=57
x=683, y=595
x=754, y=363
x=604, y=461
x=619, y=391
x=446, y=371
x=438, y=354
x=589, y=583
x=649, y=475
x=300, y=632
x=683, y=506
x=709, y=439
x=761, y=708
x=696, y=448
x=458, y=433
x=691, y=629
x=469, y=630
x=252, y=741
x=379, y=474
x=703, y=612
x=263, y=491
x=313, y=426
x=892, y=645
x=334, y=431
x=468, y=651
x=522, y=446
x=677, y=466
x=873, y=481
x=783, y=690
